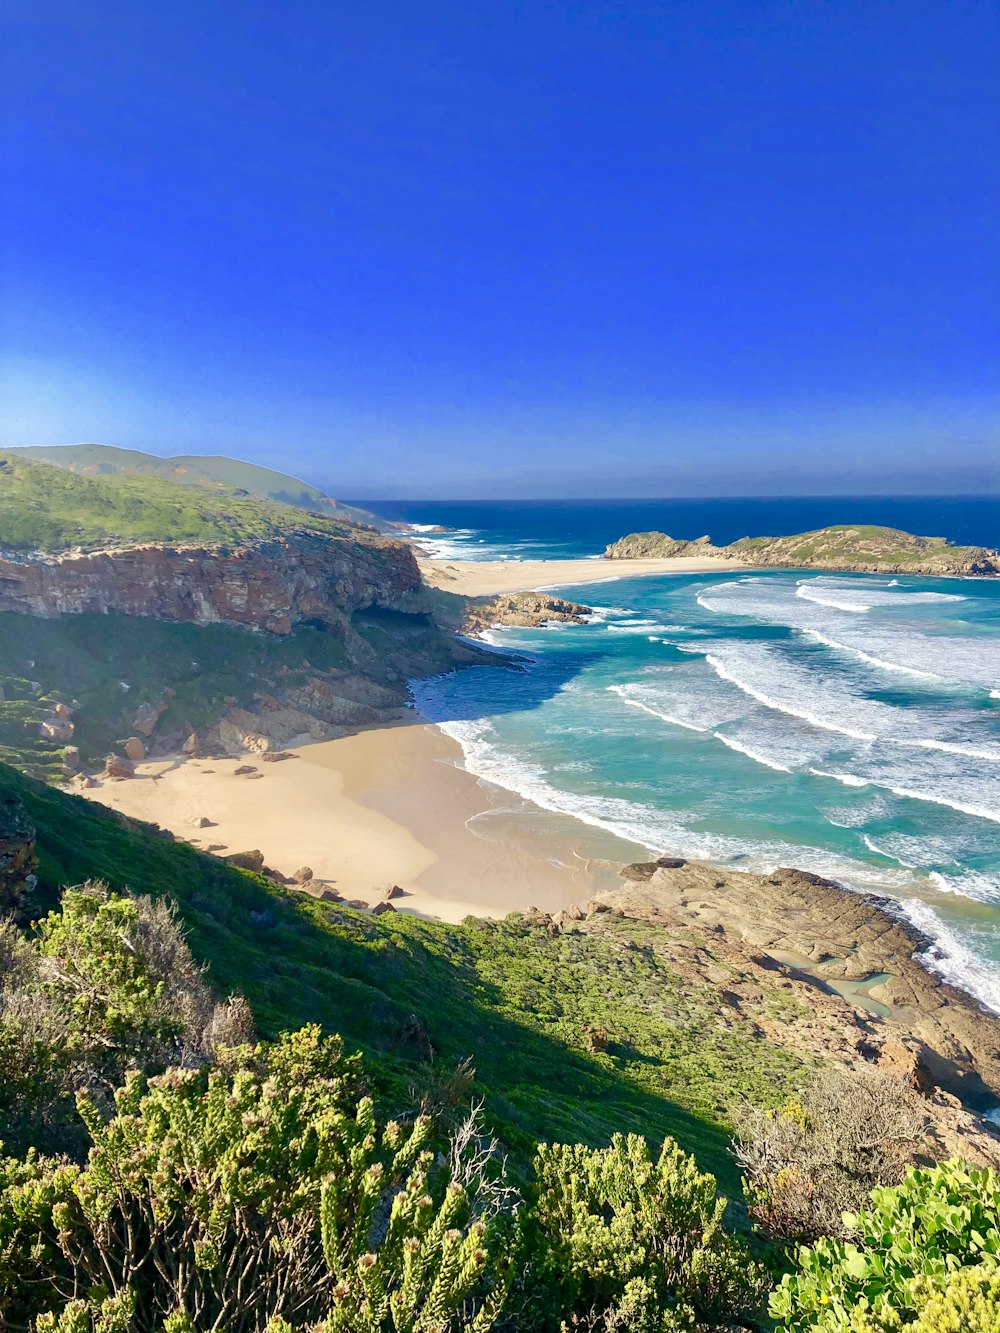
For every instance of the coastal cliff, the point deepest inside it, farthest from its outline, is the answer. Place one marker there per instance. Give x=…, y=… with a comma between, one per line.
x=862, y=549
x=139, y=615
x=271, y=584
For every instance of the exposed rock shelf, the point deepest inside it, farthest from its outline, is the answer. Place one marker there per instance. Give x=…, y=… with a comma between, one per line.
x=838, y=937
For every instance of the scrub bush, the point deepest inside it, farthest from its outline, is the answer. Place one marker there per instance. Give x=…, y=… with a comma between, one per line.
x=910, y=1245
x=623, y=1241
x=260, y=1190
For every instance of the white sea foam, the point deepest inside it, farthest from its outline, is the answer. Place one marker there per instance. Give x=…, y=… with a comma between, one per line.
x=656, y=712
x=856, y=596
x=873, y=846
x=951, y=959
x=733, y=744
x=879, y=662
x=848, y=779
x=976, y=884
x=789, y=707
x=903, y=646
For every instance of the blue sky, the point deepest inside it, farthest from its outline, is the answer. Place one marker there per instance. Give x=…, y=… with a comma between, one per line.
x=506, y=248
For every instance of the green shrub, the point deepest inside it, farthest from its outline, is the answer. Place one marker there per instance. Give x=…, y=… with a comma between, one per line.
x=907, y=1247
x=108, y=984
x=969, y=1302
x=262, y=1189
x=625, y=1242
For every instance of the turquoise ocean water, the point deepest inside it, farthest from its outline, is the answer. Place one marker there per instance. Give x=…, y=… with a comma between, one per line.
x=846, y=724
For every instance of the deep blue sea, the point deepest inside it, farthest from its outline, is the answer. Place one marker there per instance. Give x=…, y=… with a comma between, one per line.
x=847, y=724
x=553, y=529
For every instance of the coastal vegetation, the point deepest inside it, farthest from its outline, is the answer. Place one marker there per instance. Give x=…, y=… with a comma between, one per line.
x=46, y=509
x=530, y=1139
x=858, y=547
x=201, y=470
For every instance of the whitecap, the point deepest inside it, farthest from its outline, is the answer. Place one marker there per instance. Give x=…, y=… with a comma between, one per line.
x=951, y=959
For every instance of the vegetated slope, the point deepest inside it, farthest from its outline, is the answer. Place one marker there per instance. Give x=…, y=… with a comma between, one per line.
x=867, y=548
x=420, y=997
x=197, y=470
x=118, y=676
x=854, y=548
x=44, y=508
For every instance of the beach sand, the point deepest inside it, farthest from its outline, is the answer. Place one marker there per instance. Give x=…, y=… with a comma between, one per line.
x=388, y=806
x=474, y=578
x=394, y=805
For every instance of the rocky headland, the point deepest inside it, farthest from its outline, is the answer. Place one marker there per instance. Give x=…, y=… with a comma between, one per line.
x=278, y=624
x=851, y=549
x=780, y=951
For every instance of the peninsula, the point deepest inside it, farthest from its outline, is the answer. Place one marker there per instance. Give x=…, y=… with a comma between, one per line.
x=862, y=549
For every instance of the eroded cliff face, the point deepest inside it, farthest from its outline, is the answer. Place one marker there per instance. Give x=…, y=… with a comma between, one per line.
x=271, y=585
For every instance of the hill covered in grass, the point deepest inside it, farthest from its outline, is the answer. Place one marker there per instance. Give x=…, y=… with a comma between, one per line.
x=47, y=509
x=565, y=1036
x=852, y=548
x=203, y=470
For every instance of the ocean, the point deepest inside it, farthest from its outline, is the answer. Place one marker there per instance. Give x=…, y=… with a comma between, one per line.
x=845, y=724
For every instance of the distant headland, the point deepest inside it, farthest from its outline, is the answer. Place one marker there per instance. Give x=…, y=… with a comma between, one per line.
x=858, y=549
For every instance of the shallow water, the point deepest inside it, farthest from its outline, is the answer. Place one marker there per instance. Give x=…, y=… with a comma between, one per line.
x=846, y=724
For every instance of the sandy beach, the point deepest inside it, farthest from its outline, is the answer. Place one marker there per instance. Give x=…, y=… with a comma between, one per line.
x=394, y=805
x=473, y=578
x=387, y=806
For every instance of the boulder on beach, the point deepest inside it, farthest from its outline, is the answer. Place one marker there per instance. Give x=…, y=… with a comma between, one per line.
x=251, y=860
x=117, y=767
x=135, y=750
x=303, y=875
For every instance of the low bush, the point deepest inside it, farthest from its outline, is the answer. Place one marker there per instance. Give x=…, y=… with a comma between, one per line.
x=107, y=984
x=910, y=1245
x=820, y=1156
x=619, y=1240
x=259, y=1193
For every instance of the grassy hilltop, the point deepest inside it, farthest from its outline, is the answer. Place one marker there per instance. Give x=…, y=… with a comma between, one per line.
x=44, y=508
x=205, y=471
x=857, y=548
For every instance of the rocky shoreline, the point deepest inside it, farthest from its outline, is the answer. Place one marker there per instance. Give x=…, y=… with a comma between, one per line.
x=773, y=948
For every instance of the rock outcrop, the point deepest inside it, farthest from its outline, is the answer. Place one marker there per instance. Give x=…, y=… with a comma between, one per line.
x=272, y=585
x=658, y=546
x=525, y=610
x=859, y=943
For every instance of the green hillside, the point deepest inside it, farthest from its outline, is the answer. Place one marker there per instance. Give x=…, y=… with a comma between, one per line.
x=46, y=508
x=420, y=997
x=197, y=470
x=859, y=548
x=866, y=547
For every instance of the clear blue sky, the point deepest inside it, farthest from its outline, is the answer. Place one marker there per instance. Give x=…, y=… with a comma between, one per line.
x=503, y=247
